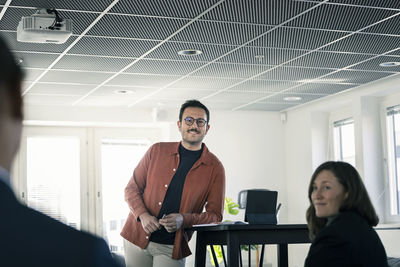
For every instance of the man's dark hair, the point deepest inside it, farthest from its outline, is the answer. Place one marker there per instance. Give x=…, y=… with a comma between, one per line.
x=10, y=81
x=357, y=199
x=195, y=104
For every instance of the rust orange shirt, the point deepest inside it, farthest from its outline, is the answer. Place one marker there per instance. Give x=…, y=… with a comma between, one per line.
x=204, y=187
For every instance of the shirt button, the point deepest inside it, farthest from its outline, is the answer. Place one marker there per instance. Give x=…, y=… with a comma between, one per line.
x=166, y=185
x=147, y=237
x=159, y=203
x=174, y=169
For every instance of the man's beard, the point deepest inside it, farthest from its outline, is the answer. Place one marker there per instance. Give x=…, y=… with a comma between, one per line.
x=199, y=140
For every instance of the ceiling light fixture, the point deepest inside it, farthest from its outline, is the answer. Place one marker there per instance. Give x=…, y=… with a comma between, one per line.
x=389, y=64
x=292, y=98
x=190, y=52
x=123, y=92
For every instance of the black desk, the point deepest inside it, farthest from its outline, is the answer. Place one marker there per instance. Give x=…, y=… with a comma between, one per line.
x=246, y=234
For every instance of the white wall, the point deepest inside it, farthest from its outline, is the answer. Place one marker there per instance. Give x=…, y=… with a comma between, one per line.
x=249, y=144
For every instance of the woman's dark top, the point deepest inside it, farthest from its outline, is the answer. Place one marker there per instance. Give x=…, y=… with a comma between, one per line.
x=347, y=241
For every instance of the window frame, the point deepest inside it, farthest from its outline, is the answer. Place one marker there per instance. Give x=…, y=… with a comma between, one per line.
x=20, y=166
x=153, y=134
x=337, y=115
x=340, y=123
x=386, y=103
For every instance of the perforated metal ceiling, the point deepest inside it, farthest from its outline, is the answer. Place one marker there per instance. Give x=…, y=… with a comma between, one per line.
x=254, y=53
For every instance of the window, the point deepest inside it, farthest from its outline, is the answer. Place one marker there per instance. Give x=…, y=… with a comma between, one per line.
x=393, y=141
x=113, y=225
x=53, y=177
x=119, y=157
x=344, y=146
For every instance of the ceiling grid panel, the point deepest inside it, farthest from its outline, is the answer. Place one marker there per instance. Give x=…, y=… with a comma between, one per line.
x=95, y=6
x=307, y=39
x=164, y=8
x=211, y=32
x=341, y=17
x=112, y=47
x=387, y=4
x=121, y=25
x=164, y=66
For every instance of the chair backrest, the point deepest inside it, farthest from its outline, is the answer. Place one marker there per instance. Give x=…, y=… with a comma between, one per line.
x=243, y=197
x=260, y=206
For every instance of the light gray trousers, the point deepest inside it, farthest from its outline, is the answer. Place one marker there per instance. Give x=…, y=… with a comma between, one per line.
x=154, y=255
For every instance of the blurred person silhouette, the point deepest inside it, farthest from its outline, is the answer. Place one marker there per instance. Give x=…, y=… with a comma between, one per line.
x=340, y=220
x=28, y=237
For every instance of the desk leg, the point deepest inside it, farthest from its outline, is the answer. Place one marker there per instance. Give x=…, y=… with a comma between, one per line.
x=201, y=247
x=283, y=255
x=233, y=247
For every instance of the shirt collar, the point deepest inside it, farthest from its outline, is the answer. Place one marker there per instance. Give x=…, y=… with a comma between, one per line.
x=4, y=176
x=204, y=158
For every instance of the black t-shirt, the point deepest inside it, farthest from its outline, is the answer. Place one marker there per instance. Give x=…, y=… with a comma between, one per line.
x=172, y=200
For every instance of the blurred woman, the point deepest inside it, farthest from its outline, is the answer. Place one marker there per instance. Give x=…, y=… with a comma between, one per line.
x=340, y=220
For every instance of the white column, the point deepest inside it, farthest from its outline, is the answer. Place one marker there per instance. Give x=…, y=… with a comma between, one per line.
x=369, y=152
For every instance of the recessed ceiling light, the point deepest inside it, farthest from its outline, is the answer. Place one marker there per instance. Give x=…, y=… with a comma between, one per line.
x=292, y=98
x=389, y=64
x=190, y=52
x=123, y=92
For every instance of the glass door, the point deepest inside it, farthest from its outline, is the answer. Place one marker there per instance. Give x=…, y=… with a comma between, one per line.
x=54, y=180
x=120, y=152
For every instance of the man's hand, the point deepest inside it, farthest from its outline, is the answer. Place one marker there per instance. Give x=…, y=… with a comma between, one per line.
x=149, y=223
x=172, y=222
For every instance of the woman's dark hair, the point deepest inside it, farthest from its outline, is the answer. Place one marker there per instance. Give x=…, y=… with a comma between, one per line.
x=357, y=196
x=195, y=104
x=10, y=81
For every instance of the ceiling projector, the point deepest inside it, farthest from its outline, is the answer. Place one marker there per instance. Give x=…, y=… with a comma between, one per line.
x=45, y=26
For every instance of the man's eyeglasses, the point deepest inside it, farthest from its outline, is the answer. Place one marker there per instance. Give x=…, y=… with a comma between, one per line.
x=200, y=122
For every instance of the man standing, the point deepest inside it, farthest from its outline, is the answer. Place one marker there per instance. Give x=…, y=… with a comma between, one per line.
x=28, y=237
x=168, y=191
